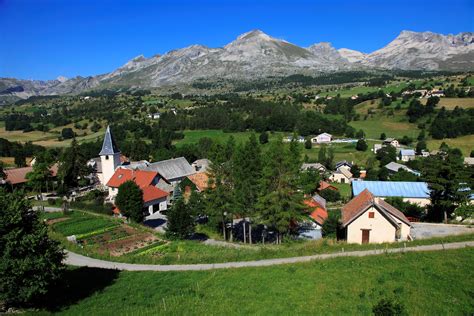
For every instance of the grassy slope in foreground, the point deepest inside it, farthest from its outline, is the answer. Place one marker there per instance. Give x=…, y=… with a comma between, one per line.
x=431, y=283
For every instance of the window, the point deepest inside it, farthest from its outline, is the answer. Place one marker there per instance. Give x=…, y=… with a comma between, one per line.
x=107, y=157
x=371, y=214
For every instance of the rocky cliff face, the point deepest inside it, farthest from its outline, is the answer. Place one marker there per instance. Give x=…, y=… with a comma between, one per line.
x=256, y=54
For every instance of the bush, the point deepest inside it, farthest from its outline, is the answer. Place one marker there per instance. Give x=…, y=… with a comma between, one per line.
x=330, y=195
x=129, y=200
x=386, y=307
x=332, y=224
x=361, y=145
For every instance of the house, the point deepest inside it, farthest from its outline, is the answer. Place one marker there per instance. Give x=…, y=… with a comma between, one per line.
x=154, y=116
x=413, y=192
x=109, y=157
x=171, y=172
x=436, y=93
x=322, y=138
x=314, y=166
x=377, y=147
x=394, y=167
x=341, y=175
x=154, y=199
x=17, y=176
x=369, y=219
x=201, y=165
x=323, y=185
x=425, y=153
x=392, y=142
x=406, y=154
x=469, y=161
x=289, y=139
x=344, y=164
x=96, y=165
x=317, y=210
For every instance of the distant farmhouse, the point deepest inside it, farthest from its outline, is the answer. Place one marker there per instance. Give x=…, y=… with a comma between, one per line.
x=323, y=138
x=406, y=155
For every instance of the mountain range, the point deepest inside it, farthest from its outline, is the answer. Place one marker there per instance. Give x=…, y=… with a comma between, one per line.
x=258, y=55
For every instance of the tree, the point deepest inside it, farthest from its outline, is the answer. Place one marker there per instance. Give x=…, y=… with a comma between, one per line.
x=30, y=262
x=3, y=175
x=308, y=144
x=420, y=146
x=263, y=138
x=383, y=136
x=322, y=155
x=180, y=221
x=129, y=201
x=72, y=167
x=20, y=158
x=330, y=195
x=361, y=145
x=309, y=180
x=355, y=170
x=386, y=155
x=279, y=203
x=386, y=307
x=39, y=176
x=246, y=174
x=472, y=154
x=67, y=133
x=360, y=134
x=332, y=224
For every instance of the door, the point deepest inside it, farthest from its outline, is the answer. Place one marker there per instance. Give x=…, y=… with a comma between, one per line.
x=365, y=236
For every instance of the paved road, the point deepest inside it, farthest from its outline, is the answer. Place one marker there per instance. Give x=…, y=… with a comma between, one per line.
x=82, y=261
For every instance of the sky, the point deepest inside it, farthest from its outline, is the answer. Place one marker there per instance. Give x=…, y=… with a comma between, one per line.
x=44, y=39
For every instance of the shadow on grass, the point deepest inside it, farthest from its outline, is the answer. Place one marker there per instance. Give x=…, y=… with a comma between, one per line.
x=76, y=285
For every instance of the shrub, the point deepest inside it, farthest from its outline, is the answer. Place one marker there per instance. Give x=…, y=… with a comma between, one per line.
x=330, y=195
x=386, y=307
x=332, y=224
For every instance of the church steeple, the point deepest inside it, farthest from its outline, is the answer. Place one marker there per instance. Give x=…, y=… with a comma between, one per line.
x=109, y=157
x=109, y=147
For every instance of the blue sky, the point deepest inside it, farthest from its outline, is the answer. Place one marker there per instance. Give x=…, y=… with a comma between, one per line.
x=42, y=39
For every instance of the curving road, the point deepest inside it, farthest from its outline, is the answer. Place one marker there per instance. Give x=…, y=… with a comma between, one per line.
x=75, y=259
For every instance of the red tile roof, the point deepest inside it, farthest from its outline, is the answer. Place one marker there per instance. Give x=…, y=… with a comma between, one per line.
x=318, y=212
x=200, y=180
x=143, y=179
x=356, y=205
x=361, y=202
x=140, y=177
x=323, y=185
x=18, y=175
x=151, y=193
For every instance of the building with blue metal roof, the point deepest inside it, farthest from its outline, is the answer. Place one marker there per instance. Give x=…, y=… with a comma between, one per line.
x=414, y=192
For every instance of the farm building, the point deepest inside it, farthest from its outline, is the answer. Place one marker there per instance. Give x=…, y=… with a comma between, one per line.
x=414, y=192
x=315, y=166
x=323, y=185
x=369, y=219
x=17, y=176
x=406, y=155
x=317, y=209
x=391, y=142
x=322, y=138
x=171, y=172
x=394, y=167
x=341, y=175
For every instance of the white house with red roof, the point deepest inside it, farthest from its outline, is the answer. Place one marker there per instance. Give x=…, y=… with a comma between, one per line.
x=369, y=219
x=154, y=199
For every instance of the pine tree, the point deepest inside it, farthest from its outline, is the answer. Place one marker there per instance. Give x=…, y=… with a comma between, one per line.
x=72, y=167
x=279, y=203
x=180, y=221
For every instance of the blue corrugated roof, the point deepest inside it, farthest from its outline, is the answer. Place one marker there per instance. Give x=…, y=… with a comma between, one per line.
x=392, y=188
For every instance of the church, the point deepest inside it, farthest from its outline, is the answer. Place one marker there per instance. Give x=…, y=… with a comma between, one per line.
x=157, y=180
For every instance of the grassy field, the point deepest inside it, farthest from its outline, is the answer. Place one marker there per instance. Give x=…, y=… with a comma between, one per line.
x=343, y=152
x=465, y=143
x=393, y=126
x=425, y=283
x=451, y=103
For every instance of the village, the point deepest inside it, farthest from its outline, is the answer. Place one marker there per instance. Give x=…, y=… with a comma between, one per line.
x=365, y=216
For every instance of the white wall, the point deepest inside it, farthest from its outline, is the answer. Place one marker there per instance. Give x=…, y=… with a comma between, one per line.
x=381, y=230
x=109, y=165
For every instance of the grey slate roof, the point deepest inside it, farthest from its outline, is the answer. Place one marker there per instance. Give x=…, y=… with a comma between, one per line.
x=109, y=147
x=172, y=168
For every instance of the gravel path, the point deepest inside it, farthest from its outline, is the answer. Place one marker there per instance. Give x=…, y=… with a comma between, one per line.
x=82, y=261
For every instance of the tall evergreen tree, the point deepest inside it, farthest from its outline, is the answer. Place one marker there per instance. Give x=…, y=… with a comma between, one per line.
x=279, y=203
x=72, y=167
x=180, y=220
